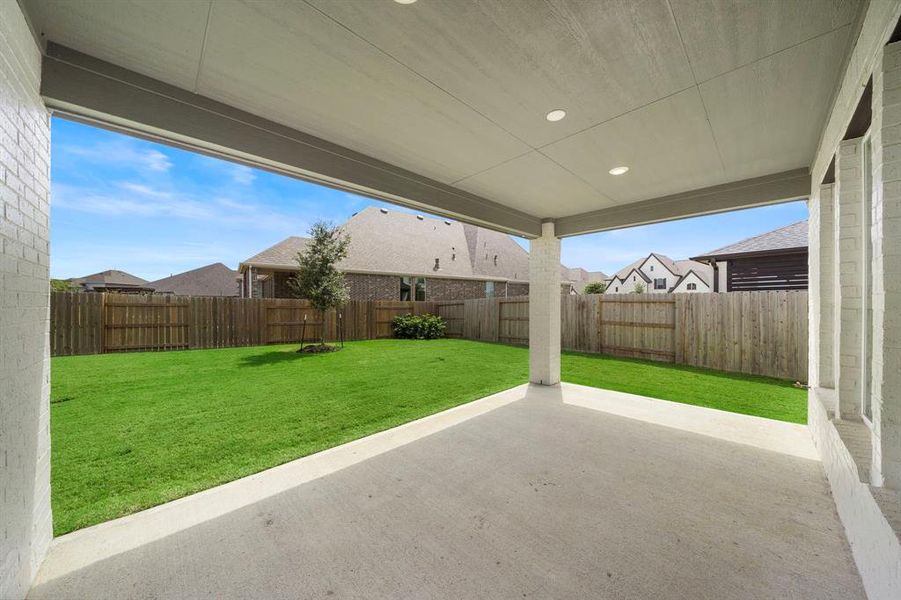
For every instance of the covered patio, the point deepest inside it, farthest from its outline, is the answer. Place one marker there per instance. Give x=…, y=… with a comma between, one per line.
x=543, y=119
x=536, y=492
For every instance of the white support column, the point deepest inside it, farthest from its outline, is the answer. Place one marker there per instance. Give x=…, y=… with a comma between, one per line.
x=847, y=274
x=25, y=516
x=821, y=259
x=886, y=269
x=544, y=307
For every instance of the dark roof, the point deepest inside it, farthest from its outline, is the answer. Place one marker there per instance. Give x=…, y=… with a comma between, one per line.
x=789, y=238
x=212, y=280
x=387, y=241
x=111, y=278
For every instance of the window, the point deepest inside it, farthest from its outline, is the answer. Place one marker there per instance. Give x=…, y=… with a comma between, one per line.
x=616, y=289
x=691, y=286
x=633, y=278
x=420, y=289
x=489, y=289
x=405, y=288
x=651, y=267
x=660, y=284
x=412, y=288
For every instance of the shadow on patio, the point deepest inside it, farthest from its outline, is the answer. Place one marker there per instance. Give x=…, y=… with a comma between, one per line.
x=533, y=492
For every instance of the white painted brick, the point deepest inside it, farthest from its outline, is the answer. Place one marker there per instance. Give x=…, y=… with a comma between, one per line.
x=24, y=309
x=544, y=307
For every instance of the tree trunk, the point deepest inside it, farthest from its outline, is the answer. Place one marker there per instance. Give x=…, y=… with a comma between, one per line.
x=322, y=327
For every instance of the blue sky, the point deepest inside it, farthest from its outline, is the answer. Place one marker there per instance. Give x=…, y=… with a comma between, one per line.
x=124, y=203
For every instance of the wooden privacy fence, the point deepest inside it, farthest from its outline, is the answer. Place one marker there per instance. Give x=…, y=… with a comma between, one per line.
x=762, y=333
x=88, y=323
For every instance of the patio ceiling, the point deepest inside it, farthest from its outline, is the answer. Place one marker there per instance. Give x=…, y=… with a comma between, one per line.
x=445, y=101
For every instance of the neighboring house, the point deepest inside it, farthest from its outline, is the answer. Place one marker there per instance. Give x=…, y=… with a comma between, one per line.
x=659, y=274
x=775, y=260
x=212, y=280
x=580, y=278
x=400, y=256
x=111, y=281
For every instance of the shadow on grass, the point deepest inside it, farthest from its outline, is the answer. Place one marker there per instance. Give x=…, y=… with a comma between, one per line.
x=279, y=356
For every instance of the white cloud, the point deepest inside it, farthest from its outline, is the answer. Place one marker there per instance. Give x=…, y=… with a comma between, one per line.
x=243, y=175
x=121, y=152
x=133, y=199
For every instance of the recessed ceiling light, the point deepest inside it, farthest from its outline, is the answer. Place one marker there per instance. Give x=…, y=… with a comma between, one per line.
x=618, y=170
x=555, y=115
x=405, y=1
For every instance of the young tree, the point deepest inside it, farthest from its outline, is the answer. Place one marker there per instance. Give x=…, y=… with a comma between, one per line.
x=318, y=278
x=639, y=288
x=595, y=287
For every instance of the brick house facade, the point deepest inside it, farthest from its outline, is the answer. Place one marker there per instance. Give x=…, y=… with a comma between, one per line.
x=393, y=253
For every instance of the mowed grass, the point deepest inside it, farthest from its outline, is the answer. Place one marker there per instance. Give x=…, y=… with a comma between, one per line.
x=733, y=392
x=130, y=431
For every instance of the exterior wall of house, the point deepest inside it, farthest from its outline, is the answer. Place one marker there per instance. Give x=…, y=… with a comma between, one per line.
x=848, y=232
x=862, y=251
x=627, y=284
x=458, y=289
x=722, y=275
x=885, y=292
x=24, y=317
x=822, y=312
x=700, y=285
x=654, y=270
x=517, y=289
x=365, y=286
x=374, y=287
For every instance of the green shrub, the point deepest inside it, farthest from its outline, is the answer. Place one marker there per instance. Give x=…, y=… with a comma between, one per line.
x=595, y=287
x=419, y=327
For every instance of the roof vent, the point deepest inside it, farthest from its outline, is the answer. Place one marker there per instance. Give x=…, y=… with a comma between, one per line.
x=420, y=217
x=437, y=266
x=446, y=222
x=384, y=211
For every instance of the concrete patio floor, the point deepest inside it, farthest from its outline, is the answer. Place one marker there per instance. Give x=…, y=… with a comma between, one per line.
x=564, y=492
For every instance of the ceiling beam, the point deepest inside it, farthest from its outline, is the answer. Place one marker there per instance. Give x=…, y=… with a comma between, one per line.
x=88, y=89
x=770, y=189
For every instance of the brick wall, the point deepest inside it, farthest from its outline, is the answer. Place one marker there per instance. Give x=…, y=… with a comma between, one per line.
x=24, y=308
x=517, y=289
x=847, y=223
x=886, y=265
x=457, y=289
x=544, y=307
x=820, y=261
x=373, y=287
x=387, y=287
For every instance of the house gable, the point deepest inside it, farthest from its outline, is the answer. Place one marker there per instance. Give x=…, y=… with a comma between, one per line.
x=690, y=278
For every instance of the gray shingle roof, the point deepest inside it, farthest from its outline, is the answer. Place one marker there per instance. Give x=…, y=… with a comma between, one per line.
x=387, y=241
x=280, y=255
x=212, y=280
x=110, y=277
x=792, y=236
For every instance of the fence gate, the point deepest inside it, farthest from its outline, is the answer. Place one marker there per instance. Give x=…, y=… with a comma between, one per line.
x=638, y=327
x=145, y=323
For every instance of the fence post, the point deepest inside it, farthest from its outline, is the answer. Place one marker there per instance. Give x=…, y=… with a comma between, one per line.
x=678, y=329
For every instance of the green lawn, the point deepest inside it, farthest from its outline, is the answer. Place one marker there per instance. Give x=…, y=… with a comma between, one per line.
x=734, y=392
x=130, y=431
